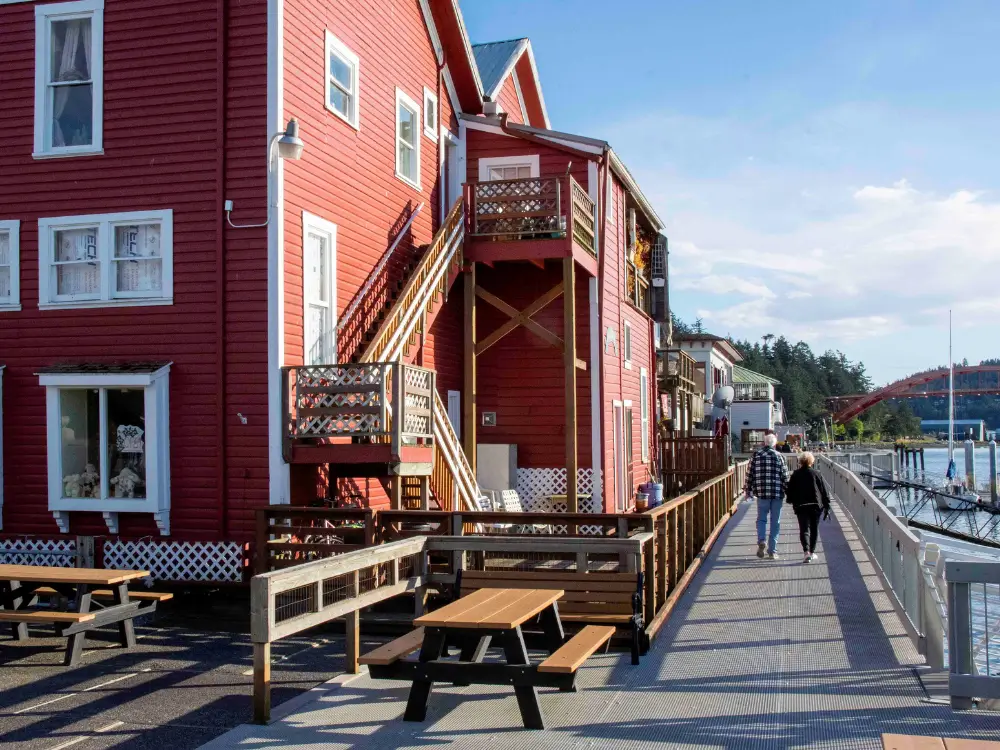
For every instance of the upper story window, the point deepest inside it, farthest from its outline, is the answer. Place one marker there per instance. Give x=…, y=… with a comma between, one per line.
x=342, y=68
x=430, y=114
x=10, y=296
x=627, y=345
x=407, y=139
x=508, y=168
x=69, y=78
x=108, y=259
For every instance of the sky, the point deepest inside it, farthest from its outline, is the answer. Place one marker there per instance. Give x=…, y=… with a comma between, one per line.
x=825, y=171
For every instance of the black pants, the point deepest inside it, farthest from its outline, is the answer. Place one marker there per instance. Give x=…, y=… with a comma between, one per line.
x=808, y=526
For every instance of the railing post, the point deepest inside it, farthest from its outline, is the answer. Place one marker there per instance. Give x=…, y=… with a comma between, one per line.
x=399, y=402
x=261, y=554
x=960, y=639
x=261, y=683
x=352, y=646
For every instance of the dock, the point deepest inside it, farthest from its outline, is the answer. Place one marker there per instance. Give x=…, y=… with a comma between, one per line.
x=756, y=654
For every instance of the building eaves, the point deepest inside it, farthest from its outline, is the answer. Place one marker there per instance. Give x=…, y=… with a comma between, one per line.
x=743, y=375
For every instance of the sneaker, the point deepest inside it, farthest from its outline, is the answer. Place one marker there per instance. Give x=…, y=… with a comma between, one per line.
x=760, y=549
x=813, y=556
x=773, y=555
x=808, y=558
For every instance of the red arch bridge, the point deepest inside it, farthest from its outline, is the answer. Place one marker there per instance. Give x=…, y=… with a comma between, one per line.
x=970, y=380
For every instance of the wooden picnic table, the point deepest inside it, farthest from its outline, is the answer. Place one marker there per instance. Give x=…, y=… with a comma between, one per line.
x=473, y=622
x=73, y=592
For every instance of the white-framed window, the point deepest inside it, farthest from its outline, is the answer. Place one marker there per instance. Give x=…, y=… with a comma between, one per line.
x=10, y=274
x=627, y=345
x=108, y=439
x=69, y=78
x=342, y=85
x=407, y=139
x=319, y=296
x=644, y=412
x=430, y=114
x=106, y=259
x=509, y=167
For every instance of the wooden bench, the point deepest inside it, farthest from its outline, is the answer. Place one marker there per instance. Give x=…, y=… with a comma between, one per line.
x=35, y=616
x=589, y=598
x=393, y=651
x=140, y=596
x=574, y=652
x=912, y=742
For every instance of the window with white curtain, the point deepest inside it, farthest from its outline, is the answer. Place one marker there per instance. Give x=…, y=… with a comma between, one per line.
x=69, y=73
x=10, y=296
x=407, y=139
x=342, y=67
x=106, y=259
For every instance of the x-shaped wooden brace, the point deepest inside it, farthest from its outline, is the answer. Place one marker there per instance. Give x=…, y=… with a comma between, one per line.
x=522, y=318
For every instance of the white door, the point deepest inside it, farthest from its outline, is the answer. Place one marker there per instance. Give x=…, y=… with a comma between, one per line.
x=619, y=459
x=453, y=177
x=455, y=411
x=319, y=302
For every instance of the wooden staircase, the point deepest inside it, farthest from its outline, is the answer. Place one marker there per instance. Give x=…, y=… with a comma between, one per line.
x=393, y=338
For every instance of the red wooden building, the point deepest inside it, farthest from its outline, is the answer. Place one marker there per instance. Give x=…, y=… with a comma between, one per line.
x=207, y=307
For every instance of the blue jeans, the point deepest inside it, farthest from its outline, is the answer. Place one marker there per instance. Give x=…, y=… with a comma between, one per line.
x=764, y=507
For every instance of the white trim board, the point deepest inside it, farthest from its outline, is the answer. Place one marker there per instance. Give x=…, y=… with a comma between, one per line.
x=520, y=97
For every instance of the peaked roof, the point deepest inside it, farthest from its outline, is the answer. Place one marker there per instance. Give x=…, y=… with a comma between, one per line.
x=743, y=375
x=495, y=60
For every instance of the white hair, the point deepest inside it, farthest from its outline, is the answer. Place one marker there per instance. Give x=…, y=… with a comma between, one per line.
x=770, y=441
x=807, y=459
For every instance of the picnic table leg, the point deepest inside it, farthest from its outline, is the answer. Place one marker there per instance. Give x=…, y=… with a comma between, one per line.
x=527, y=697
x=19, y=630
x=416, y=704
x=126, y=631
x=474, y=649
x=74, y=649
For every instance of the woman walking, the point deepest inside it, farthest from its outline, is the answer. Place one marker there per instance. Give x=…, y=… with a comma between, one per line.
x=808, y=497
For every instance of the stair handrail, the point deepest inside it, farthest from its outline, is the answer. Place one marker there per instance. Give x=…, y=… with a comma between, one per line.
x=377, y=271
x=447, y=233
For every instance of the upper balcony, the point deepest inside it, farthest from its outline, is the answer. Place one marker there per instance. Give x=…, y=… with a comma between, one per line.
x=675, y=368
x=754, y=391
x=530, y=219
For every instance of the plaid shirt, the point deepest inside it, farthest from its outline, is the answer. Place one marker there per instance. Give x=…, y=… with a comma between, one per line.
x=767, y=475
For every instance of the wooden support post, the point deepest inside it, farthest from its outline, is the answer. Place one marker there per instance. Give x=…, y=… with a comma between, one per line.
x=261, y=683
x=396, y=501
x=352, y=641
x=425, y=493
x=569, y=365
x=469, y=378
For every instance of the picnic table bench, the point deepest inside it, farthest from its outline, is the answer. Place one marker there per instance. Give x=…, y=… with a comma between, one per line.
x=475, y=621
x=80, y=600
x=913, y=742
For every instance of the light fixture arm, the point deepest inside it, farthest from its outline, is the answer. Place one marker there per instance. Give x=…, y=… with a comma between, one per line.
x=290, y=146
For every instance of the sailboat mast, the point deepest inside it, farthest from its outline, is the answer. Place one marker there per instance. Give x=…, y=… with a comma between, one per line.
x=951, y=396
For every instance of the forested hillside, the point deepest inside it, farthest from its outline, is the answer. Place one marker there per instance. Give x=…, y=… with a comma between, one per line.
x=966, y=407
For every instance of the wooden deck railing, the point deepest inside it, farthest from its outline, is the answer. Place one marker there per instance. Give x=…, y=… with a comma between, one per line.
x=532, y=208
x=288, y=536
x=753, y=392
x=688, y=461
x=675, y=368
x=357, y=401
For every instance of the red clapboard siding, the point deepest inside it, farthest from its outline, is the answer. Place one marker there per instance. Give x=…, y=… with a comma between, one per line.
x=508, y=100
x=552, y=161
x=347, y=176
x=161, y=151
x=530, y=93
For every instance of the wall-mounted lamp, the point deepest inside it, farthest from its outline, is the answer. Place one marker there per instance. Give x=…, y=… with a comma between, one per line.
x=289, y=147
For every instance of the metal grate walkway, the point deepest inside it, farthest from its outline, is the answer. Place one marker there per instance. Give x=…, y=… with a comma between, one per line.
x=758, y=654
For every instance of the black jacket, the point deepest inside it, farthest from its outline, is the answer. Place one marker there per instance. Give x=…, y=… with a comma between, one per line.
x=806, y=488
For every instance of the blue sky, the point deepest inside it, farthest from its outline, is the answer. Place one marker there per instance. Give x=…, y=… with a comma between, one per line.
x=827, y=171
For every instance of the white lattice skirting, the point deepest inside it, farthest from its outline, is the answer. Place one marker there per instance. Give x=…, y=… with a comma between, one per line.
x=59, y=553
x=217, y=562
x=534, y=486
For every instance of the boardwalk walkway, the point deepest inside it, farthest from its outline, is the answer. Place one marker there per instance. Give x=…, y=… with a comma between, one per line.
x=758, y=654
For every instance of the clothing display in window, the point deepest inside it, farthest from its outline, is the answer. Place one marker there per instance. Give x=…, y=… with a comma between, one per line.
x=138, y=258
x=78, y=271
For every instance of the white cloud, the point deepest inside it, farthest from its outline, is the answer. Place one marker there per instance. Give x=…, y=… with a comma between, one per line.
x=720, y=284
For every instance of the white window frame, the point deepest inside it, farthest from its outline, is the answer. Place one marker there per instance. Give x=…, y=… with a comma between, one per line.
x=45, y=14
x=627, y=345
x=336, y=47
x=106, y=223
x=13, y=229
x=644, y=412
x=531, y=160
x=157, y=436
x=409, y=103
x=431, y=105
x=316, y=225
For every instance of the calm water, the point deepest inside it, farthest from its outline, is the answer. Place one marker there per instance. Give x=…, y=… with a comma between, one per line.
x=936, y=464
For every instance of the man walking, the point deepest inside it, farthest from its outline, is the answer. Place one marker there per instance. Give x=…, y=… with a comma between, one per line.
x=767, y=480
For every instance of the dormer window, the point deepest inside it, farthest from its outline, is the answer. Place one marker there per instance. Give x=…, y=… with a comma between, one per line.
x=69, y=78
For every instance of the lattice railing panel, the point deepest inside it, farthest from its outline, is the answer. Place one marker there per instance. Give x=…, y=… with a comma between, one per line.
x=60, y=553
x=178, y=561
x=536, y=486
x=328, y=400
x=518, y=207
